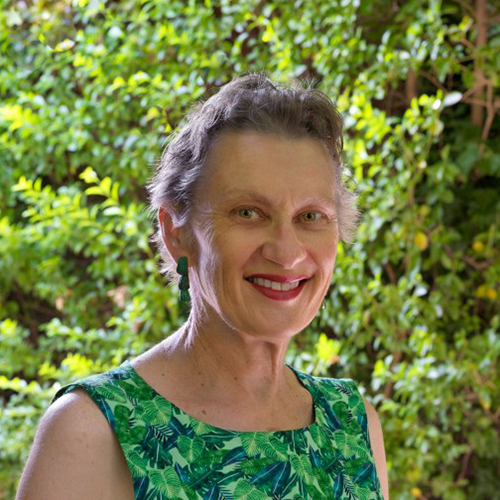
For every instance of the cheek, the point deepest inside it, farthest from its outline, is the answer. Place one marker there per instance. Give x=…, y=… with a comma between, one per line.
x=328, y=254
x=220, y=252
x=234, y=244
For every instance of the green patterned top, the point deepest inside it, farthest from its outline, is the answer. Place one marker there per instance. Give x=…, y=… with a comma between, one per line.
x=172, y=455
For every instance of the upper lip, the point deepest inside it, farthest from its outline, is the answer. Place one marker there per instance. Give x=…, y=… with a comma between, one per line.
x=277, y=278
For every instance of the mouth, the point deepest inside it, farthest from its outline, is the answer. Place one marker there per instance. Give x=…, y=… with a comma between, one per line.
x=274, y=285
x=277, y=291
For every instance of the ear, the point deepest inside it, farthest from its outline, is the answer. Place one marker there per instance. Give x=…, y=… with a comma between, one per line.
x=173, y=236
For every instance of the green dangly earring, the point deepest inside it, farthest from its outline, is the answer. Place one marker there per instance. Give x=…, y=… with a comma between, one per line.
x=182, y=269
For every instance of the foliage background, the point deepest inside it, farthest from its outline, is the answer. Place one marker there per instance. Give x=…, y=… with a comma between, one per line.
x=89, y=91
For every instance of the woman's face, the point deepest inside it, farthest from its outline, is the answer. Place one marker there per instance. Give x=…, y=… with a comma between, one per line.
x=267, y=207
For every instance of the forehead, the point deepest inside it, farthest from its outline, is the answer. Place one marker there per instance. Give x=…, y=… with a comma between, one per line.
x=268, y=164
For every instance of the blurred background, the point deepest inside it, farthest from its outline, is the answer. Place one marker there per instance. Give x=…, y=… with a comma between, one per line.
x=89, y=91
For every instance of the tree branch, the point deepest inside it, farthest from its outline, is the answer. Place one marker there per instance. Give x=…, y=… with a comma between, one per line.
x=465, y=466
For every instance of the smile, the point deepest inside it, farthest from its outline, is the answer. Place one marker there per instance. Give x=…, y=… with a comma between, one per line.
x=284, y=287
x=277, y=291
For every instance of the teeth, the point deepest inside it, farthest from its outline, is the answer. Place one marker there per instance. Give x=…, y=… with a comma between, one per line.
x=283, y=287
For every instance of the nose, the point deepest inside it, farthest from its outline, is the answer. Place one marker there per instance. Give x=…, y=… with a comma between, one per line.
x=284, y=246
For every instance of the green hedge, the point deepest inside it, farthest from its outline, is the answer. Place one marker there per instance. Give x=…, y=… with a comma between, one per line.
x=89, y=91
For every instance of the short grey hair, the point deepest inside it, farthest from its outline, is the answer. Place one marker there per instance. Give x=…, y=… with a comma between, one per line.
x=251, y=102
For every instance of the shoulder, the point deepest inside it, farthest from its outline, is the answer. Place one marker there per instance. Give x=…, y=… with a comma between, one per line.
x=377, y=444
x=75, y=448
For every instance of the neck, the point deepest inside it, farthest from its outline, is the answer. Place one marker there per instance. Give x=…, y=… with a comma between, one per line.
x=237, y=365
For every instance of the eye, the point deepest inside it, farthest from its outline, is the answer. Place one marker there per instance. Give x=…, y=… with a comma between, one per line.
x=246, y=212
x=312, y=216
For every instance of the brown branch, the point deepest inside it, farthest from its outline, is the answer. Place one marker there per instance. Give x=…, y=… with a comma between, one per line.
x=466, y=94
x=475, y=102
x=468, y=44
x=465, y=466
x=483, y=380
x=478, y=266
x=411, y=86
x=433, y=80
x=390, y=384
x=491, y=109
x=472, y=396
x=390, y=272
x=466, y=7
x=494, y=416
x=449, y=252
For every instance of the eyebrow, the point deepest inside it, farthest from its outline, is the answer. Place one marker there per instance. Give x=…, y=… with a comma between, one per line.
x=237, y=194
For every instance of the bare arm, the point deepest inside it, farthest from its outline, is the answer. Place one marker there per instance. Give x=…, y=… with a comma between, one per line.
x=75, y=455
x=377, y=442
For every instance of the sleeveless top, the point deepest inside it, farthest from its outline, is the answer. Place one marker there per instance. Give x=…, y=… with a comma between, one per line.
x=172, y=455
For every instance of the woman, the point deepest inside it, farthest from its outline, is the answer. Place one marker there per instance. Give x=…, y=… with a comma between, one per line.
x=251, y=208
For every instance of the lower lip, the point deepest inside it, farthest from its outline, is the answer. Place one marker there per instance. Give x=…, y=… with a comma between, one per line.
x=278, y=294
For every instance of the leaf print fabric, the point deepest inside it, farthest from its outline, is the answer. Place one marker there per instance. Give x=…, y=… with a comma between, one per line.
x=173, y=456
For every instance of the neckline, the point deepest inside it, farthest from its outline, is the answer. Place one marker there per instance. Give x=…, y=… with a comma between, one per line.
x=301, y=377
